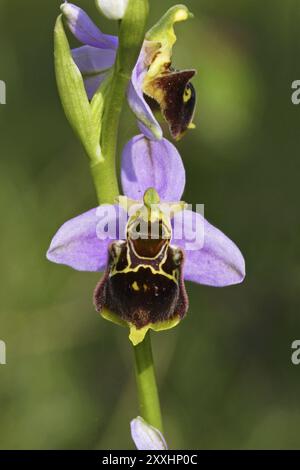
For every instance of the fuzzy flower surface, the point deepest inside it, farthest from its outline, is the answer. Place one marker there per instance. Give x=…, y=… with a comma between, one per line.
x=149, y=291
x=155, y=84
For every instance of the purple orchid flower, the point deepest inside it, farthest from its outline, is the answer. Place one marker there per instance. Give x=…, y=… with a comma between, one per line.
x=166, y=89
x=83, y=243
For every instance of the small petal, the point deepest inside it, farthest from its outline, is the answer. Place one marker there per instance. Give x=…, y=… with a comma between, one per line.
x=112, y=9
x=83, y=28
x=152, y=164
x=82, y=242
x=93, y=64
x=146, y=437
x=135, y=94
x=93, y=83
x=211, y=258
x=91, y=60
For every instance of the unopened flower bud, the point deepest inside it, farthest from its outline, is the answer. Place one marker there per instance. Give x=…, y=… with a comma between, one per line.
x=112, y=9
x=146, y=437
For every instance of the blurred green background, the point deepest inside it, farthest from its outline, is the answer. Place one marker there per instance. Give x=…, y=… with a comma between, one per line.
x=225, y=373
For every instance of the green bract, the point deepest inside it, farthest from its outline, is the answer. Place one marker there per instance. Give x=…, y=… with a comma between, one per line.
x=84, y=117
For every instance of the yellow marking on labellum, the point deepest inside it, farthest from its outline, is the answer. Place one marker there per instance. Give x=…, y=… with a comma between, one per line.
x=145, y=257
x=135, y=287
x=187, y=95
x=159, y=271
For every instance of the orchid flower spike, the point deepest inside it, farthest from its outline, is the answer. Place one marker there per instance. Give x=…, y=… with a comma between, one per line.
x=148, y=250
x=146, y=437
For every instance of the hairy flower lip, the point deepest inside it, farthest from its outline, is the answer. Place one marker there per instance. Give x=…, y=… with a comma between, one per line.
x=177, y=102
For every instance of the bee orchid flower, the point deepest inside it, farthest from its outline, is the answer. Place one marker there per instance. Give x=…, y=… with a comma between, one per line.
x=155, y=84
x=143, y=281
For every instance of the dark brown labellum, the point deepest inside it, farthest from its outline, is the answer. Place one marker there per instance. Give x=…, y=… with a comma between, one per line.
x=143, y=290
x=176, y=97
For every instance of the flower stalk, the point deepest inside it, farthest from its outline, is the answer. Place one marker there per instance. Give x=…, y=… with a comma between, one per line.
x=131, y=36
x=146, y=384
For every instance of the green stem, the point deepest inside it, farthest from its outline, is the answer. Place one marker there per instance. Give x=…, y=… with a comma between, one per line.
x=146, y=384
x=131, y=36
x=104, y=173
x=105, y=182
